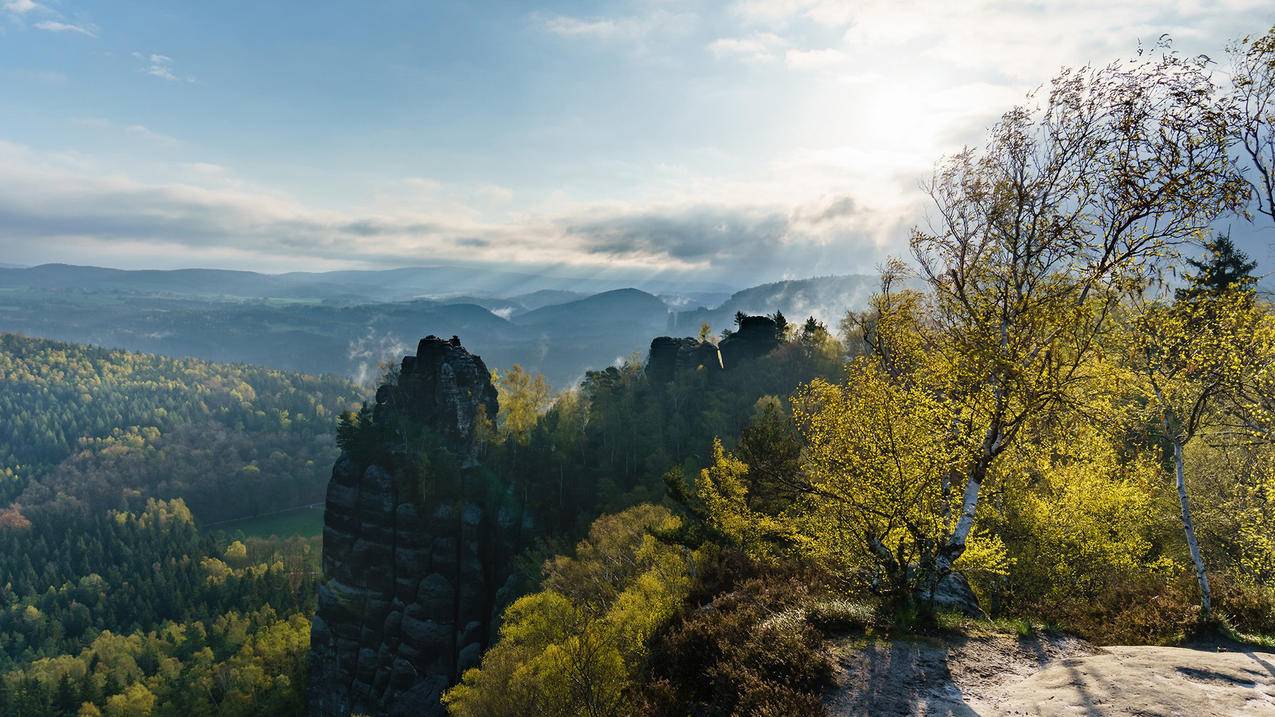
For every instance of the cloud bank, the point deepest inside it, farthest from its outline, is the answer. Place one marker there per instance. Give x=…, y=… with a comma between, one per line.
x=65, y=205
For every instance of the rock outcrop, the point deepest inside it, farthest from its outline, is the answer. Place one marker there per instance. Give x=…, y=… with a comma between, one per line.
x=670, y=357
x=412, y=561
x=755, y=337
x=953, y=592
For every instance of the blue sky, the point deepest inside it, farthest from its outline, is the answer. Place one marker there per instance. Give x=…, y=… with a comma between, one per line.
x=740, y=141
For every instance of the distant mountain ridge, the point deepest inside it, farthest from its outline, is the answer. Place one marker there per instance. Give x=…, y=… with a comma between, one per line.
x=558, y=332
x=631, y=305
x=349, y=286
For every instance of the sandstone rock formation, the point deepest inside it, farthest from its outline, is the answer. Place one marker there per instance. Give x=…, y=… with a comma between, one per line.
x=755, y=337
x=670, y=357
x=413, y=562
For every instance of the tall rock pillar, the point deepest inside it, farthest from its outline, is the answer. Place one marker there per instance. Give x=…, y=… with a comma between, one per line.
x=412, y=550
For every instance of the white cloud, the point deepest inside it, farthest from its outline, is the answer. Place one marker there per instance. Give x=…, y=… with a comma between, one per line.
x=423, y=185
x=55, y=26
x=55, y=202
x=758, y=47
x=207, y=169
x=828, y=13
x=139, y=131
x=577, y=27
x=813, y=59
x=656, y=23
x=150, y=135
x=161, y=66
x=495, y=193
x=21, y=7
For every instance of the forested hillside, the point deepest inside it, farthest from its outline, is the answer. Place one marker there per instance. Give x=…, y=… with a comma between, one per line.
x=438, y=516
x=112, y=594
x=139, y=613
x=88, y=429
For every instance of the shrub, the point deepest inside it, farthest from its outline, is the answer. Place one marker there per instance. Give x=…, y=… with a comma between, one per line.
x=750, y=651
x=1248, y=607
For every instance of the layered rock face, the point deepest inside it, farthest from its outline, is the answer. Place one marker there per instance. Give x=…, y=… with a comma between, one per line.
x=442, y=387
x=411, y=561
x=755, y=337
x=670, y=357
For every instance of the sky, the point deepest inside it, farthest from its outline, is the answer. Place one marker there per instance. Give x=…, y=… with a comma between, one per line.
x=739, y=141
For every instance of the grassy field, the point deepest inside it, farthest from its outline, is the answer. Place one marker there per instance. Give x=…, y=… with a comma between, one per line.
x=301, y=521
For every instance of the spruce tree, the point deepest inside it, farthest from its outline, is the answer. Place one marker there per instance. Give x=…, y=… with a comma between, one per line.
x=1222, y=268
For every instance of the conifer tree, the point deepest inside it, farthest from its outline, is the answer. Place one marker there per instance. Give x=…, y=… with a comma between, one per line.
x=1222, y=268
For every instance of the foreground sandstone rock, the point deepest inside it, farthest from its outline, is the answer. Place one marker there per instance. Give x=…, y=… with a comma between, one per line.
x=413, y=566
x=1046, y=676
x=1131, y=681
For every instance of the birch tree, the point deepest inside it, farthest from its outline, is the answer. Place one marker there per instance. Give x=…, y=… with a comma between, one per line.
x=1189, y=357
x=1252, y=114
x=1068, y=208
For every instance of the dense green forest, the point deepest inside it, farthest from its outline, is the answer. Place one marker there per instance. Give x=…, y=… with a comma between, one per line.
x=113, y=597
x=91, y=429
x=610, y=443
x=103, y=614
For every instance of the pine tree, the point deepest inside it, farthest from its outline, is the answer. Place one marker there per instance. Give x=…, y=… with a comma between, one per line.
x=1222, y=268
x=68, y=697
x=781, y=325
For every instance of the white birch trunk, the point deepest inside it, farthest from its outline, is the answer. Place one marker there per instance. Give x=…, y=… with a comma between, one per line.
x=956, y=543
x=1188, y=526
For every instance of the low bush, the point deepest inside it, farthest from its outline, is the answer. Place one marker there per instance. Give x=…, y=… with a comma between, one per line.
x=750, y=651
x=1247, y=607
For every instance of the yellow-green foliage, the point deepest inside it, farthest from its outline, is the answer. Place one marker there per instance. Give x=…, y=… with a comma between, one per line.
x=576, y=647
x=723, y=489
x=523, y=398
x=1082, y=515
x=1235, y=488
x=876, y=457
x=234, y=665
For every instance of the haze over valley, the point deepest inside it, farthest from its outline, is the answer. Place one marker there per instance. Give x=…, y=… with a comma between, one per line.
x=349, y=323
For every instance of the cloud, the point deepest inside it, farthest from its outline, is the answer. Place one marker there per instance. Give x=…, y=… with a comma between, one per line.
x=423, y=185
x=827, y=13
x=813, y=59
x=495, y=193
x=657, y=23
x=207, y=169
x=21, y=7
x=577, y=27
x=764, y=47
x=834, y=235
x=55, y=26
x=758, y=47
x=51, y=203
x=138, y=131
x=161, y=66
x=150, y=135
x=694, y=235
